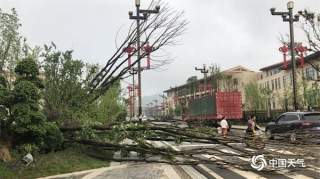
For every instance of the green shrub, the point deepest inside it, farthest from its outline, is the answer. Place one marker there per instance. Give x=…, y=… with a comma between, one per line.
x=53, y=139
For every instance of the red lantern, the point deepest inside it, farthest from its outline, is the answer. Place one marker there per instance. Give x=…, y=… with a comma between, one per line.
x=301, y=50
x=284, y=50
x=129, y=50
x=148, y=49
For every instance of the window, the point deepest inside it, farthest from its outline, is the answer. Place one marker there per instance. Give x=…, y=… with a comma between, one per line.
x=292, y=117
x=235, y=82
x=276, y=83
x=268, y=85
x=272, y=85
x=291, y=79
x=312, y=116
x=282, y=118
x=284, y=78
x=273, y=104
x=279, y=83
x=310, y=73
x=275, y=71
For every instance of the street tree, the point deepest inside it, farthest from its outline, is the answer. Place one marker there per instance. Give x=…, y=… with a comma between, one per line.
x=311, y=27
x=254, y=97
x=159, y=31
x=66, y=91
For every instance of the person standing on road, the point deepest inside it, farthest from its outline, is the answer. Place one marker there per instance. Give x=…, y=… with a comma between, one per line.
x=224, y=126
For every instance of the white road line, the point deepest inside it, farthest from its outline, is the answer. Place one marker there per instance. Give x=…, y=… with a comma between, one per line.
x=170, y=172
x=281, y=151
x=246, y=174
x=293, y=175
x=212, y=173
x=193, y=173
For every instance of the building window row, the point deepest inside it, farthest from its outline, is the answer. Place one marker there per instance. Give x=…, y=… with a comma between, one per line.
x=310, y=73
x=273, y=71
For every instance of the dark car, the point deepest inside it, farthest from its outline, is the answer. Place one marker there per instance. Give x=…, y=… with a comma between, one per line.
x=295, y=125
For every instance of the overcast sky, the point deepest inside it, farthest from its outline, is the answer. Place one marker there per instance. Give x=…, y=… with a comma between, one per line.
x=228, y=32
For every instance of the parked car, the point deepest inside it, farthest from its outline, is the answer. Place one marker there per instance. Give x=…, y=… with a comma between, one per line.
x=294, y=125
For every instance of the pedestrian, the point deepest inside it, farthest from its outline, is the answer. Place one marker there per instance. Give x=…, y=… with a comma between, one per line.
x=251, y=125
x=224, y=126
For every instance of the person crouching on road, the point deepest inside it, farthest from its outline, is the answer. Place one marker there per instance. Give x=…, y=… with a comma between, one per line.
x=224, y=126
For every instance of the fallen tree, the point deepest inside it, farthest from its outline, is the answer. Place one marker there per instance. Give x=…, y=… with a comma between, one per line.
x=145, y=138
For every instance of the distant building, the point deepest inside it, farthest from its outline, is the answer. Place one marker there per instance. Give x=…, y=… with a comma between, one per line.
x=233, y=79
x=278, y=81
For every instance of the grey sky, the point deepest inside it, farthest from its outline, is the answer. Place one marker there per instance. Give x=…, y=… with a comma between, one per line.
x=228, y=32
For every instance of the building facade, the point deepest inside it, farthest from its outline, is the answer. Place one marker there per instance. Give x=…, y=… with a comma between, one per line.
x=233, y=79
x=278, y=81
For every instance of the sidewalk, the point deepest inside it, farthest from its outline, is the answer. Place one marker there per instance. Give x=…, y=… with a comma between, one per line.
x=129, y=170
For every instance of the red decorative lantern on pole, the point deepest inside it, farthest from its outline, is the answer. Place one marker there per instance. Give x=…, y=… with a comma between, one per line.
x=129, y=50
x=148, y=49
x=301, y=50
x=284, y=50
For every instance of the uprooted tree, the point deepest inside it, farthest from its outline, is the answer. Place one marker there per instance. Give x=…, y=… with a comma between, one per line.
x=160, y=30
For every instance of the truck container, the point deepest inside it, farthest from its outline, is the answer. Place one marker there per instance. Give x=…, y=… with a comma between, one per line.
x=213, y=107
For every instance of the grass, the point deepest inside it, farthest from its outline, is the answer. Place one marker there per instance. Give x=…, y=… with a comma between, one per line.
x=66, y=161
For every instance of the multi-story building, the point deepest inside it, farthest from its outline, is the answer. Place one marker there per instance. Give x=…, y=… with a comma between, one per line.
x=278, y=81
x=233, y=79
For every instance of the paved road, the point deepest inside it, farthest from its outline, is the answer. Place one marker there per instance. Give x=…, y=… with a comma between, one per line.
x=210, y=171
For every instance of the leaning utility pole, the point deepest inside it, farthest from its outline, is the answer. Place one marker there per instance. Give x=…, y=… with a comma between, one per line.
x=288, y=17
x=139, y=17
x=204, y=71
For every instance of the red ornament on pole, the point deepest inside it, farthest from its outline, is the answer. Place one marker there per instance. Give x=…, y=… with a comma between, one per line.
x=284, y=50
x=129, y=50
x=301, y=50
x=148, y=49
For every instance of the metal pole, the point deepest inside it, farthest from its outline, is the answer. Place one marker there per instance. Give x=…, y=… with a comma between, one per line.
x=139, y=64
x=293, y=61
x=133, y=95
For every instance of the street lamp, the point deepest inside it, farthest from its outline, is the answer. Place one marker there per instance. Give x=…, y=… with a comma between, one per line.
x=137, y=2
x=139, y=17
x=290, y=5
x=288, y=17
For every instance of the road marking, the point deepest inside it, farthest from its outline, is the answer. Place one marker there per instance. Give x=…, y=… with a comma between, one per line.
x=294, y=175
x=170, y=172
x=193, y=173
x=214, y=174
x=282, y=151
x=246, y=174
